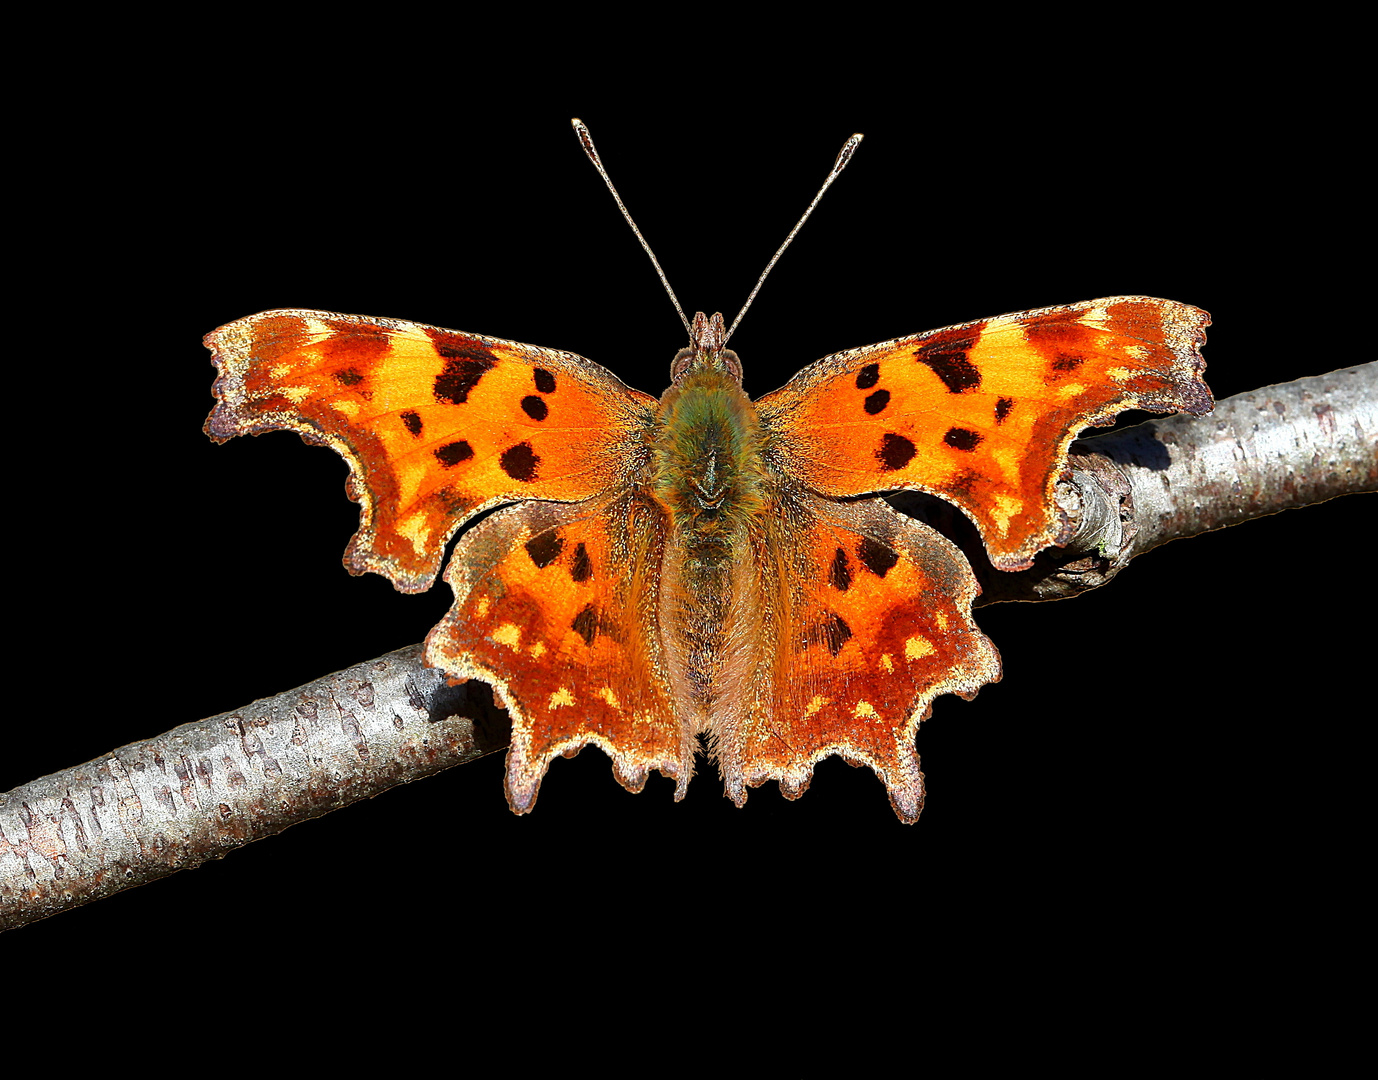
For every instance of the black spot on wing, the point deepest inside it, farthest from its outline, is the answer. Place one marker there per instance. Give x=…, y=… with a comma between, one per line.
x=962, y=439
x=585, y=624
x=545, y=380
x=451, y=454
x=535, y=407
x=868, y=376
x=461, y=372
x=875, y=403
x=948, y=360
x=895, y=452
x=545, y=548
x=520, y=462
x=835, y=634
x=581, y=569
x=840, y=573
x=1002, y=409
x=411, y=420
x=876, y=557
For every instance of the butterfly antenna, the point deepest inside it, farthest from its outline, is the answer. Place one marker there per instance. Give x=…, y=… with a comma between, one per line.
x=586, y=140
x=843, y=156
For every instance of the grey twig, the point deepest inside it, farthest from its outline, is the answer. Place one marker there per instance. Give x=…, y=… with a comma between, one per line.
x=201, y=790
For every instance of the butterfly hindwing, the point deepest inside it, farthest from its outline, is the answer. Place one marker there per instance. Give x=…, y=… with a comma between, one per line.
x=870, y=620
x=556, y=607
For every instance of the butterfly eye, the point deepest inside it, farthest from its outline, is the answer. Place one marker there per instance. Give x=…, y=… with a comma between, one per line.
x=680, y=364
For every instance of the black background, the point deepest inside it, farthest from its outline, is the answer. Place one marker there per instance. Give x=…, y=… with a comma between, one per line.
x=1160, y=758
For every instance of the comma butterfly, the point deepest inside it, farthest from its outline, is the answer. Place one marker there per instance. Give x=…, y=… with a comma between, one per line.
x=654, y=571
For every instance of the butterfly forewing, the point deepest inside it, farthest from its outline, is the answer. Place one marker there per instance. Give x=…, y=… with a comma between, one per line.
x=982, y=414
x=436, y=424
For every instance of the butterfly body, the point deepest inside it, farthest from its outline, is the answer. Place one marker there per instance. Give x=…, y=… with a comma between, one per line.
x=706, y=565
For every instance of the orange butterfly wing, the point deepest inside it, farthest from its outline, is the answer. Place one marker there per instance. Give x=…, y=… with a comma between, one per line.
x=872, y=611
x=868, y=619
x=554, y=597
x=982, y=414
x=436, y=425
x=555, y=606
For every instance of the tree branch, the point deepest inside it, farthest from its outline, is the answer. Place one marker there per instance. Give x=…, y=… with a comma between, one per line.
x=201, y=790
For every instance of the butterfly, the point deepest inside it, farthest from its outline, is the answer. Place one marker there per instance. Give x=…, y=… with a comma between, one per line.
x=652, y=574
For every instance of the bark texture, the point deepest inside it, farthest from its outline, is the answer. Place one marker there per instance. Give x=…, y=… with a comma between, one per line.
x=202, y=790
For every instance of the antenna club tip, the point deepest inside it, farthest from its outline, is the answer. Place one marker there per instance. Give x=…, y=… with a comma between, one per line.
x=581, y=132
x=576, y=123
x=845, y=154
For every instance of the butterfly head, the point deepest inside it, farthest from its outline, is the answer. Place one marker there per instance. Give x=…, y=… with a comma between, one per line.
x=706, y=351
